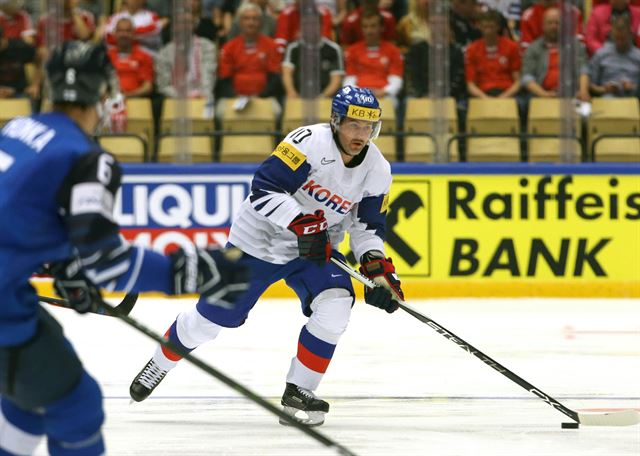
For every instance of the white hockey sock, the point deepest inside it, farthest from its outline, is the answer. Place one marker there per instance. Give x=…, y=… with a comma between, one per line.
x=192, y=329
x=302, y=376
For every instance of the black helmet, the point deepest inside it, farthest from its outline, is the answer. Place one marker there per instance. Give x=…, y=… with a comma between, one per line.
x=79, y=72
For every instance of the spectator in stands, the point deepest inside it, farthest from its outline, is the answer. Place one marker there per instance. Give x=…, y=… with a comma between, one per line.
x=414, y=27
x=510, y=10
x=268, y=27
x=541, y=69
x=352, y=26
x=417, y=68
x=601, y=18
x=14, y=55
x=288, y=24
x=77, y=24
x=532, y=18
x=338, y=9
x=373, y=62
x=204, y=28
x=95, y=7
x=133, y=65
x=165, y=10
x=492, y=66
x=463, y=22
x=250, y=63
x=212, y=11
x=615, y=68
x=16, y=22
x=200, y=65
x=330, y=63
x=148, y=25
x=229, y=9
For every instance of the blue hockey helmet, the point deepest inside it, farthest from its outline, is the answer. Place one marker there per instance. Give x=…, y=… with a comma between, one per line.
x=79, y=72
x=356, y=103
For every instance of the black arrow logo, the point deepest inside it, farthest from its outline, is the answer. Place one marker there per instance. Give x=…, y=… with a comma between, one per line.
x=409, y=201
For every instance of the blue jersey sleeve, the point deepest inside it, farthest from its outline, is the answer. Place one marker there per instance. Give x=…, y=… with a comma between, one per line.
x=86, y=204
x=273, y=185
x=369, y=227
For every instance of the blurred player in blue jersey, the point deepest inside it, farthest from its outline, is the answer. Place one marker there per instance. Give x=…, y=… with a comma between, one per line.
x=321, y=181
x=57, y=189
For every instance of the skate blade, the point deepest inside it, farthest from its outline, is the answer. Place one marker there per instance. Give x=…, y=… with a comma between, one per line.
x=312, y=418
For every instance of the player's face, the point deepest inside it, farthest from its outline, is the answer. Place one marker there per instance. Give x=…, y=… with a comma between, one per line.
x=354, y=135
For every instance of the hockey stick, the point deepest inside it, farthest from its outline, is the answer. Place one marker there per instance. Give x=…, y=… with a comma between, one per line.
x=618, y=418
x=125, y=306
x=231, y=383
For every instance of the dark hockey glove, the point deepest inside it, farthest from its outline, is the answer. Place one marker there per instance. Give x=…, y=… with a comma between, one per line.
x=218, y=275
x=381, y=271
x=313, y=239
x=71, y=283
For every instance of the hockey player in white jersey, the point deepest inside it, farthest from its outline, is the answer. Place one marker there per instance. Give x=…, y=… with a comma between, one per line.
x=321, y=181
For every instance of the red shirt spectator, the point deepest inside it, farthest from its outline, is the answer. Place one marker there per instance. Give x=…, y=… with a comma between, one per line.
x=599, y=24
x=147, y=25
x=248, y=64
x=372, y=66
x=492, y=67
x=16, y=24
x=373, y=62
x=531, y=22
x=288, y=24
x=69, y=28
x=550, y=82
x=133, y=68
x=133, y=65
x=352, y=32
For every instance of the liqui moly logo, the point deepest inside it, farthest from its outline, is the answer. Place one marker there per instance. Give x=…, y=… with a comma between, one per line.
x=331, y=200
x=168, y=211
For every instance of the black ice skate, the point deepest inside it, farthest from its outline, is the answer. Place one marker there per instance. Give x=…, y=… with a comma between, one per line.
x=146, y=381
x=296, y=399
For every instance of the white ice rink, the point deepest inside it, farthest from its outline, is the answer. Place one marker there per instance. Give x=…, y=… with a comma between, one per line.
x=395, y=386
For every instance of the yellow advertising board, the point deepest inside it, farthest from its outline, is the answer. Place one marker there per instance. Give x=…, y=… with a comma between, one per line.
x=452, y=230
x=567, y=235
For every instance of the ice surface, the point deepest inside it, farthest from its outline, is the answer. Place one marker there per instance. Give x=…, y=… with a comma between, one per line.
x=395, y=386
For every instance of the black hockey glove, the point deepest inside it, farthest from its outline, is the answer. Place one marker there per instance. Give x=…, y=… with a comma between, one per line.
x=381, y=271
x=313, y=239
x=71, y=283
x=218, y=275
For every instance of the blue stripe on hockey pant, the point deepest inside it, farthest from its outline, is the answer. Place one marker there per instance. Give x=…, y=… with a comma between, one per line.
x=314, y=353
x=73, y=423
x=316, y=346
x=304, y=277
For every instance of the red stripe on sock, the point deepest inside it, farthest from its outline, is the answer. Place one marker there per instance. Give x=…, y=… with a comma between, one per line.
x=311, y=360
x=168, y=353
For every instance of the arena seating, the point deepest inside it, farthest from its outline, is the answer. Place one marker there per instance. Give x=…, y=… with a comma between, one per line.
x=493, y=116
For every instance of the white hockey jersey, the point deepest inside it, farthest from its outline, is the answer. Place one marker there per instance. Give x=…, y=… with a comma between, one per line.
x=306, y=173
